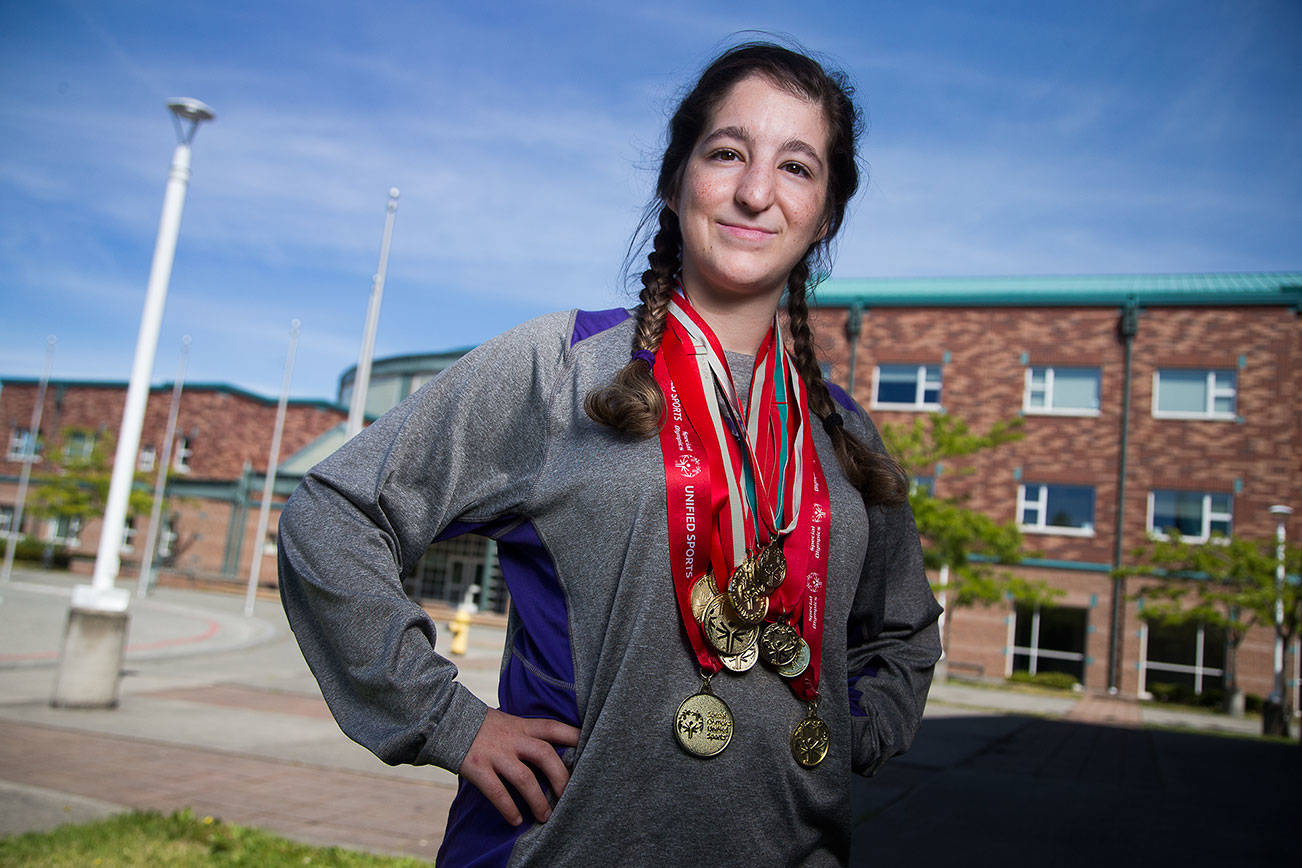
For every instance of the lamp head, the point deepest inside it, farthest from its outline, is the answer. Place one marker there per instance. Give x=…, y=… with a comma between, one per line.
x=1281, y=510
x=183, y=108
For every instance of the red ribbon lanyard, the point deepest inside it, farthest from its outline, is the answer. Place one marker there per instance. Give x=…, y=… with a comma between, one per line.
x=707, y=449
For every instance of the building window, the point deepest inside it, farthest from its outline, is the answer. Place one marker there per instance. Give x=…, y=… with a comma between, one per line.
x=1049, y=639
x=1065, y=391
x=64, y=530
x=907, y=387
x=1063, y=509
x=1196, y=515
x=6, y=519
x=181, y=458
x=78, y=445
x=20, y=442
x=145, y=461
x=1194, y=394
x=1189, y=656
x=166, y=539
x=925, y=484
x=129, y=534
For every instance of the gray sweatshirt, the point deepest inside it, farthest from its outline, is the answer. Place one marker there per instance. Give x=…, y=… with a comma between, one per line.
x=499, y=444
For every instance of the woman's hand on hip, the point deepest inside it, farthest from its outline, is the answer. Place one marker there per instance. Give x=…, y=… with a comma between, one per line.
x=503, y=751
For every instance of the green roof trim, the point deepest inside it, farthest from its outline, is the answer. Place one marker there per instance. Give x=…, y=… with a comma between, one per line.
x=1277, y=288
x=167, y=387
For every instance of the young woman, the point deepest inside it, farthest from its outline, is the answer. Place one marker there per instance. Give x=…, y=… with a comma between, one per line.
x=718, y=607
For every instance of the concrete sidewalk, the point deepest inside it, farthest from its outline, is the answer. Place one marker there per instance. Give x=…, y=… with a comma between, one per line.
x=219, y=713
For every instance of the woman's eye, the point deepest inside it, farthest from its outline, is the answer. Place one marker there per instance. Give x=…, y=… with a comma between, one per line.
x=726, y=154
x=798, y=169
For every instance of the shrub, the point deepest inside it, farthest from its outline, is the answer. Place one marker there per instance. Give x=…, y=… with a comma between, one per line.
x=1054, y=680
x=1182, y=694
x=31, y=550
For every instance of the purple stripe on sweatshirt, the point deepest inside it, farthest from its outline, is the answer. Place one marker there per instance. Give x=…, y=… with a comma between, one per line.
x=591, y=322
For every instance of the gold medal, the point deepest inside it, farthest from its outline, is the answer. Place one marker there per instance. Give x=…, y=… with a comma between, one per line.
x=703, y=591
x=743, y=661
x=779, y=644
x=724, y=629
x=810, y=739
x=748, y=599
x=703, y=723
x=771, y=567
x=799, y=664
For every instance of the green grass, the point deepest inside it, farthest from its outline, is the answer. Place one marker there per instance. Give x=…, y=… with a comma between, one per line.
x=150, y=838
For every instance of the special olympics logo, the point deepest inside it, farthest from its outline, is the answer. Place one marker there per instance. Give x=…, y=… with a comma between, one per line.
x=688, y=465
x=814, y=581
x=819, y=514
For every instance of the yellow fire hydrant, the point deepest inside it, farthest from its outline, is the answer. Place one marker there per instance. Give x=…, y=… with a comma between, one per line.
x=460, y=627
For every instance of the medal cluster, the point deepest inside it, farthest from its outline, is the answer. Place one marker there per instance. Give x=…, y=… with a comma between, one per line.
x=734, y=624
x=756, y=468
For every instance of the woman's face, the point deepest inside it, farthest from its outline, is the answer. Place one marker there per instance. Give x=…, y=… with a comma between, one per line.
x=753, y=194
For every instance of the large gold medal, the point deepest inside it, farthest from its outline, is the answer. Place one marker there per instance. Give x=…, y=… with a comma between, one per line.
x=779, y=644
x=799, y=664
x=725, y=631
x=703, y=723
x=810, y=740
x=771, y=567
x=703, y=591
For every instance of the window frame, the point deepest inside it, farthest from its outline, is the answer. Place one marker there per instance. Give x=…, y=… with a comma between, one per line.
x=71, y=539
x=1049, y=375
x=19, y=437
x=183, y=450
x=1209, y=411
x=919, y=403
x=1042, y=504
x=84, y=443
x=1208, y=515
x=147, y=466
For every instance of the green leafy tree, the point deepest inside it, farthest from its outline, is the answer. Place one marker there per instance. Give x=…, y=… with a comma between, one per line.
x=76, y=485
x=1226, y=583
x=969, y=545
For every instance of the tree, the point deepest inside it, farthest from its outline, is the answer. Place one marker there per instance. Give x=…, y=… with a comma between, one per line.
x=76, y=489
x=966, y=546
x=1227, y=583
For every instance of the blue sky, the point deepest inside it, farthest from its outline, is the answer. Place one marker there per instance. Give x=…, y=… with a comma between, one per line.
x=1004, y=138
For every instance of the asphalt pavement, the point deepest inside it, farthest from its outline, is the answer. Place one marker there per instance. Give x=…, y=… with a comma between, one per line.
x=218, y=713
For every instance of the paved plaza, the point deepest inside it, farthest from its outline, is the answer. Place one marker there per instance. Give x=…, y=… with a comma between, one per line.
x=218, y=713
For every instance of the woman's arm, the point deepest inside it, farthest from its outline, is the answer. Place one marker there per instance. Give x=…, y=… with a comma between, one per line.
x=467, y=446
x=893, y=640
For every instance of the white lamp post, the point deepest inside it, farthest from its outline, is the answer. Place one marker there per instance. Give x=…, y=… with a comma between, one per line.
x=273, y=463
x=160, y=480
x=96, y=636
x=362, y=375
x=1281, y=514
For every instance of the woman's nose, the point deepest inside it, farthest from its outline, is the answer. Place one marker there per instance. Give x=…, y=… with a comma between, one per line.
x=755, y=188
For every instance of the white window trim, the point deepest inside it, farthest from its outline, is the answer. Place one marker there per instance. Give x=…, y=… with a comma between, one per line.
x=1034, y=652
x=1050, y=410
x=18, y=445
x=1206, y=534
x=1042, y=504
x=1208, y=414
x=74, y=536
x=145, y=466
x=183, y=449
x=1199, y=669
x=129, y=534
x=920, y=389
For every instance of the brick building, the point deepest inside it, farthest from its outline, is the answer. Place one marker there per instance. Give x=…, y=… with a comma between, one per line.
x=223, y=436
x=1210, y=444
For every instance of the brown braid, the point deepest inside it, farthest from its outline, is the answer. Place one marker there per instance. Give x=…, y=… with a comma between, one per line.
x=633, y=403
x=879, y=478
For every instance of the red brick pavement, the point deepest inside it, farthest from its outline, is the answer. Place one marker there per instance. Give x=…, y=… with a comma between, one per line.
x=1105, y=710
x=319, y=805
